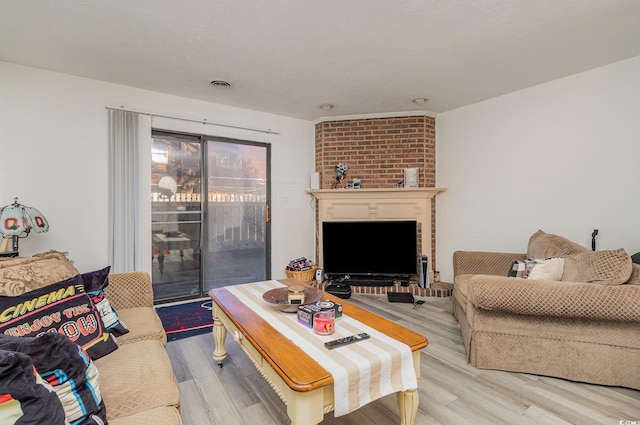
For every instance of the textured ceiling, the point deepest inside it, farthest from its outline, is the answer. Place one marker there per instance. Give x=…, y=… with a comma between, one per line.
x=290, y=57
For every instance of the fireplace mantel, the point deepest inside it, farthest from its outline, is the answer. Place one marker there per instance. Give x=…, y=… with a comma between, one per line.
x=378, y=204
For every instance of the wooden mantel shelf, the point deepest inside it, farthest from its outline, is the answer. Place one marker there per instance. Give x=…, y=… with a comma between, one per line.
x=378, y=204
x=408, y=192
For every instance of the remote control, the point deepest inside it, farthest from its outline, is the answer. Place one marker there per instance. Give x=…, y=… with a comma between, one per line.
x=346, y=340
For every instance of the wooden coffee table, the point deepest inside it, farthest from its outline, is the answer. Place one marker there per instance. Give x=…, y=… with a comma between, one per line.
x=303, y=384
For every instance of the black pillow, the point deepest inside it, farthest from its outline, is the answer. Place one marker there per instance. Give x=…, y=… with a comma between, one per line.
x=95, y=284
x=69, y=370
x=24, y=397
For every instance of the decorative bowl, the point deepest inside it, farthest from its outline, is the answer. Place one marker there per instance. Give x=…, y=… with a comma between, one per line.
x=279, y=298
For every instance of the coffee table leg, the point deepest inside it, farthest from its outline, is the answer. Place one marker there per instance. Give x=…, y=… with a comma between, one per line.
x=305, y=408
x=408, y=406
x=219, y=335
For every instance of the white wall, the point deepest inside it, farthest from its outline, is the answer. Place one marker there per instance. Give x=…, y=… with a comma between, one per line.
x=563, y=157
x=53, y=147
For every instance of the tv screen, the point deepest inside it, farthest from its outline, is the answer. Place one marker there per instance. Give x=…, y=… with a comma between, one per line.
x=375, y=247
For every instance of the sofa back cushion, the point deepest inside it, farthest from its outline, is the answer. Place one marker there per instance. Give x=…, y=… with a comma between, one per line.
x=545, y=245
x=634, y=279
x=611, y=267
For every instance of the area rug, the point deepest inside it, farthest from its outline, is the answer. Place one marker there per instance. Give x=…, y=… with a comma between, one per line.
x=186, y=319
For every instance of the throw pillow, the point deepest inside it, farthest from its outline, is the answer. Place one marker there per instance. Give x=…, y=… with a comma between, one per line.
x=521, y=269
x=546, y=245
x=95, y=284
x=23, y=274
x=540, y=269
x=62, y=307
x=547, y=269
x=612, y=267
x=69, y=371
x=24, y=397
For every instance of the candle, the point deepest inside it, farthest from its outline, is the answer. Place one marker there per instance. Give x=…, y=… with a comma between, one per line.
x=324, y=322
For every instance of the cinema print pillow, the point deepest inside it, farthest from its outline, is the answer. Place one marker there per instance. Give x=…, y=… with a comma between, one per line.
x=62, y=307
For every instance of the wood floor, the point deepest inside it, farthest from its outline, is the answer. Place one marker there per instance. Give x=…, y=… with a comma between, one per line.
x=451, y=392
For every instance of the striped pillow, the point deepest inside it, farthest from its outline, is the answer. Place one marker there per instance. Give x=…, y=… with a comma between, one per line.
x=69, y=370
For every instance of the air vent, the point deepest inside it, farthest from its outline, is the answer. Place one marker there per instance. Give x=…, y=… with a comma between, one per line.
x=220, y=83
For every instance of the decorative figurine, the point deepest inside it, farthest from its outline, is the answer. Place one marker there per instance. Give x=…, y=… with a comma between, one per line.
x=341, y=172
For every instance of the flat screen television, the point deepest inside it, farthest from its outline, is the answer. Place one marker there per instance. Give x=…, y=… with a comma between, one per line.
x=372, y=248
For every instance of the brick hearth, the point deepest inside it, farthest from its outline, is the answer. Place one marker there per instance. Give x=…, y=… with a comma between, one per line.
x=437, y=289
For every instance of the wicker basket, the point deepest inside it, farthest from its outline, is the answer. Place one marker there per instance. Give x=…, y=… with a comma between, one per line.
x=304, y=276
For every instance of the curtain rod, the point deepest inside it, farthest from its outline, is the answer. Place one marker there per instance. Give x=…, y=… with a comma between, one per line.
x=202, y=121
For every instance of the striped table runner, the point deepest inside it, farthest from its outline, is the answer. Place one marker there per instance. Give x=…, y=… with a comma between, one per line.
x=362, y=372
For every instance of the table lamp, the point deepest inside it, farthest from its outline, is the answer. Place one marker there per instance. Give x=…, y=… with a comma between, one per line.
x=17, y=221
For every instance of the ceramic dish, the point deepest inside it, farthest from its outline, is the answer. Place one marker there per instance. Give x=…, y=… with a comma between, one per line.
x=279, y=298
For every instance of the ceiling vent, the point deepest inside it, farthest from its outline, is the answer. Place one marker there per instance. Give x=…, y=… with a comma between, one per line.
x=220, y=83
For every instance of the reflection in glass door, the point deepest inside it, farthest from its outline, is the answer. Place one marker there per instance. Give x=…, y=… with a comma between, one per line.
x=176, y=214
x=236, y=214
x=213, y=231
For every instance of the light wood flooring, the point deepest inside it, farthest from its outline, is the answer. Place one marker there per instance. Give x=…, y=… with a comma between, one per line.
x=451, y=392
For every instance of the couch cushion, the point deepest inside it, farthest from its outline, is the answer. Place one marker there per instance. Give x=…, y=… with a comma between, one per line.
x=145, y=325
x=634, y=279
x=157, y=416
x=461, y=288
x=62, y=307
x=137, y=377
x=545, y=245
x=23, y=274
x=604, y=267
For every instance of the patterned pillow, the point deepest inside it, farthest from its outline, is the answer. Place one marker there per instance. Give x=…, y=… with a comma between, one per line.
x=69, y=371
x=62, y=307
x=540, y=269
x=95, y=284
x=521, y=269
x=24, y=397
x=23, y=274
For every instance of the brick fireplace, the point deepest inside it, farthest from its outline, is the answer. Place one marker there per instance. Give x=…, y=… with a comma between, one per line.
x=377, y=150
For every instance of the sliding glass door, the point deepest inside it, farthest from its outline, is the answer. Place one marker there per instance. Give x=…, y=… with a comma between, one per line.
x=210, y=223
x=236, y=214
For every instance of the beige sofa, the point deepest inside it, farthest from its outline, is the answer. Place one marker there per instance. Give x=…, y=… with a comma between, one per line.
x=136, y=380
x=581, y=331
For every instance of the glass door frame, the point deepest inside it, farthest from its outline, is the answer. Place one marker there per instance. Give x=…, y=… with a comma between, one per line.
x=205, y=187
x=204, y=201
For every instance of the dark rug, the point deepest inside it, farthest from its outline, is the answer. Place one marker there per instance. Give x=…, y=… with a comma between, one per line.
x=186, y=319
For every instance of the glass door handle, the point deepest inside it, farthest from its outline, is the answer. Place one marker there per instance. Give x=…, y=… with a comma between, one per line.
x=266, y=213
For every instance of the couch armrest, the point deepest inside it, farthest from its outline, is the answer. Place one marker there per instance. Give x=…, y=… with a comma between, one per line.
x=480, y=262
x=557, y=299
x=130, y=289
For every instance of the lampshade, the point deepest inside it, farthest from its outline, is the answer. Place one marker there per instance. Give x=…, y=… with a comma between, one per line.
x=18, y=220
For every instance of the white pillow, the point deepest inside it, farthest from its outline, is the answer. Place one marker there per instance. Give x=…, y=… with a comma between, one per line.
x=547, y=269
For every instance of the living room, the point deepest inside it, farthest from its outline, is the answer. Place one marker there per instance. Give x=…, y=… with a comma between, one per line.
x=557, y=154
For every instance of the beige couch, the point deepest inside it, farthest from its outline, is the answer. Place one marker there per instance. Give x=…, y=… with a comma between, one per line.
x=581, y=331
x=136, y=380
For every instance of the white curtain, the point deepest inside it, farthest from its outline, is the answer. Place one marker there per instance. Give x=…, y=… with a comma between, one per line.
x=128, y=229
